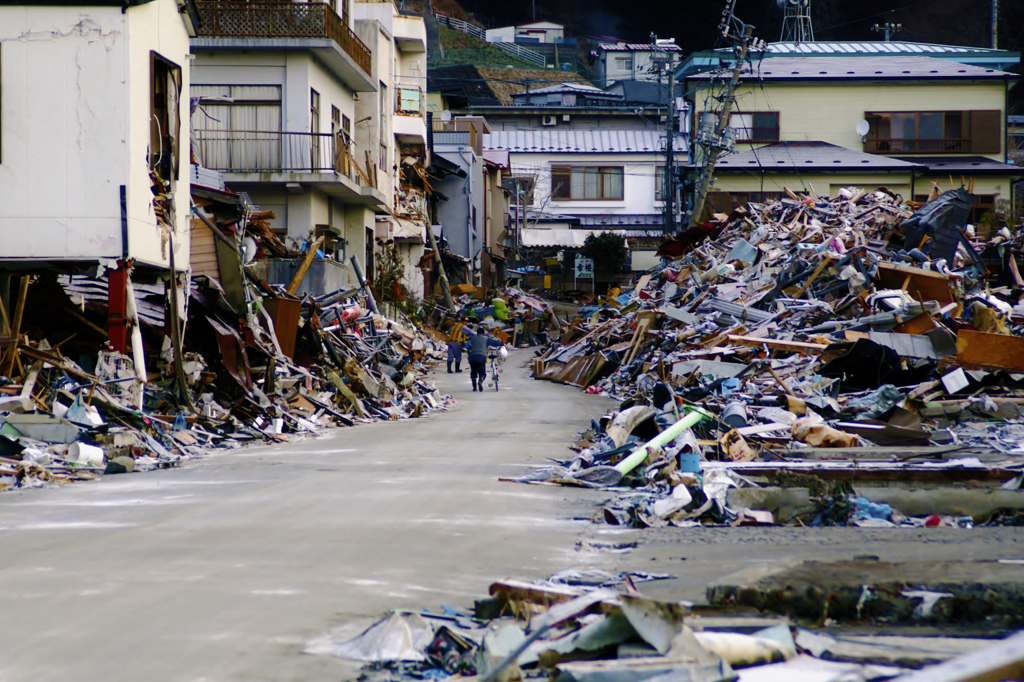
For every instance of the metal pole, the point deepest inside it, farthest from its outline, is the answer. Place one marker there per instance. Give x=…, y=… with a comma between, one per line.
x=730, y=99
x=370, y=301
x=670, y=164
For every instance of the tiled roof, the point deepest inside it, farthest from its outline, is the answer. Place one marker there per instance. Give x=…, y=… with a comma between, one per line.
x=861, y=68
x=977, y=165
x=580, y=141
x=803, y=156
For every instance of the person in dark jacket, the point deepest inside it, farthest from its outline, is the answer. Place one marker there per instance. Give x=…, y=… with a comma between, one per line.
x=478, y=345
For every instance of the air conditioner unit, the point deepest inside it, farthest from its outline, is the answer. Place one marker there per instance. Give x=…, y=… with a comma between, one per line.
x=549, y=120
x=565, y=117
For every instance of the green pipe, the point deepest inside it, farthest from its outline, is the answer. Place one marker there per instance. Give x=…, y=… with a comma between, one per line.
x=667, y=436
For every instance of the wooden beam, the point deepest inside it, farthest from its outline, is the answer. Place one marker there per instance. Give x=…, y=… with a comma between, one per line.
x=19, y=311
x=296, y=282
x=777, y=344
x=814, y=275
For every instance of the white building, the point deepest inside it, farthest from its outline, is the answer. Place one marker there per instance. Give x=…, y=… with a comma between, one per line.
x=636, y=61
x=603, y=180
x=93, y=119
x=278, y=86
x=543, y=32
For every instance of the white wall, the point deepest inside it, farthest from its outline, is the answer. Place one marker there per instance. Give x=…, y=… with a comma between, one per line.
x=505, y=34
x=156, y=27
x=76, y=127
x=63, y=153
x=638, y=181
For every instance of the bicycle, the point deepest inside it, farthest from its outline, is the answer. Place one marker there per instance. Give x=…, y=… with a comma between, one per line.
x=492, y=356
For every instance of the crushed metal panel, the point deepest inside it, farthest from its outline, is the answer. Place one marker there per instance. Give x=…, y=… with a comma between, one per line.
x=232, y=348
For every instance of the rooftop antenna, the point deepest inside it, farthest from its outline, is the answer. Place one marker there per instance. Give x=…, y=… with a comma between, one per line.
x=796, y=26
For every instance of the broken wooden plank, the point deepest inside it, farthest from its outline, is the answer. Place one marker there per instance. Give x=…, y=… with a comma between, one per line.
x=990, y=350
x=777, y=344
x=296, y=282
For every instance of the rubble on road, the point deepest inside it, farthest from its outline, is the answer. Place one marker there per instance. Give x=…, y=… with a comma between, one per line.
x=825, y=353
x=596, y=633
x=517, y=318
x=210, y=362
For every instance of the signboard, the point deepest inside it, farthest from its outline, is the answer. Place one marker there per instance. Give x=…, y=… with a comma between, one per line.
x=584, y=268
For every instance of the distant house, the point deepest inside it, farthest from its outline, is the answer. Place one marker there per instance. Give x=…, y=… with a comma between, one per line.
x=591, y=179
x=635, y=61
x=924, y=120
x=538, y=32
x=566, y=95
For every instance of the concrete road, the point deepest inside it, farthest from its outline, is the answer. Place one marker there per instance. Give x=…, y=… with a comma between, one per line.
x=226, y=569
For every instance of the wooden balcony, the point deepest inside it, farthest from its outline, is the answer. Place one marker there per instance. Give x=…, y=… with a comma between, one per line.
x=281, y=20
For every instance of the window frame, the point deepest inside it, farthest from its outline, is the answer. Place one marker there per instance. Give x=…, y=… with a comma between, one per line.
x=753, y=128
x=568, y=169
x=160, y=126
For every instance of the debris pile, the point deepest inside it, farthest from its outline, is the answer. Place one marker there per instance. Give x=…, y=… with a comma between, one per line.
x=208, y=362
x=514, y=316
x=594, y=627
x=797, y=361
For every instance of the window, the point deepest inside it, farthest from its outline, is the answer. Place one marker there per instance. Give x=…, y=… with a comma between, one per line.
x=335, y=120
x=574, y=183
x=165, y=120
x=659, y=183
x=238, y=127
x=756, y=126
x=623, y=63
x=409, y=101
x=314, y=129
x=934, y=132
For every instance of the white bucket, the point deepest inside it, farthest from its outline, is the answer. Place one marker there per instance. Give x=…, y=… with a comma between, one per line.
x=89, y=455
x=278, y=425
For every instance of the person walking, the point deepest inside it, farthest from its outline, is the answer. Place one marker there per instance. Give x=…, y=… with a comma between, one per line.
x=478, y=345
x=455, y=341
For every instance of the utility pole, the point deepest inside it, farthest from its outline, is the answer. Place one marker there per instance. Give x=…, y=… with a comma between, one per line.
x=889, y=29
x=995, y=24
x=665, y=65
x=743, y=41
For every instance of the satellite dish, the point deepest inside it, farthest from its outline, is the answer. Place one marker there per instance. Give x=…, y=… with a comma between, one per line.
x=791, y=3
x=863, y=128
x=446, y=116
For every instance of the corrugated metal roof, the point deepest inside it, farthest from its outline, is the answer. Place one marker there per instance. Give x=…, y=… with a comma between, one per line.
x=859, y=68
x=803, y=156
x=876, y=47
x=580, y=141
x=637, y=47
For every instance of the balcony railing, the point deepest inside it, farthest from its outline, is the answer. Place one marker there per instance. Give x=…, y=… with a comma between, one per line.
x=945, y=145
x=281, y=20
x=258, y=151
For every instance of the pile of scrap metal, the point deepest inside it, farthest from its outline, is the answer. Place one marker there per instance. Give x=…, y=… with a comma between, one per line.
x=81, y=395
x=816, y=342
x=588, y=626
